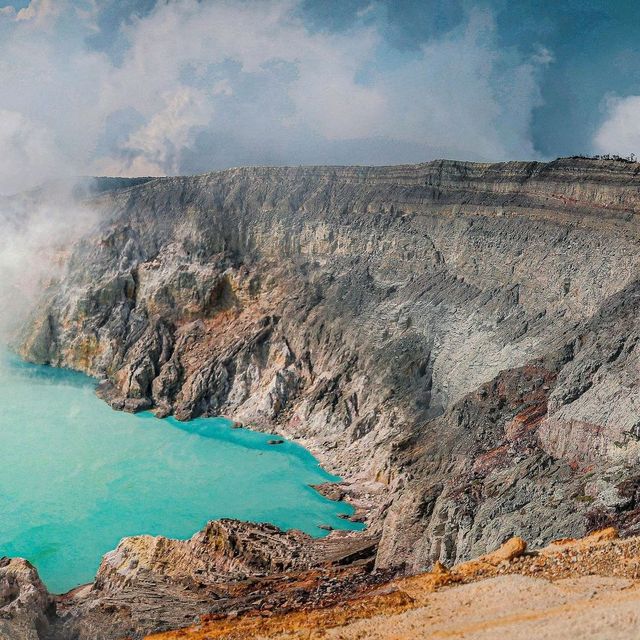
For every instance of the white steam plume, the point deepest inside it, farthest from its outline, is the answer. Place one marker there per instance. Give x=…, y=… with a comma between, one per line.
x=36, y=231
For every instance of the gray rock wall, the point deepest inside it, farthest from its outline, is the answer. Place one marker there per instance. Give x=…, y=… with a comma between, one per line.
x=461, y=334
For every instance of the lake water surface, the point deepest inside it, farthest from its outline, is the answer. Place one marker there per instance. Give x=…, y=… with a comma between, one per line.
x=76, y=476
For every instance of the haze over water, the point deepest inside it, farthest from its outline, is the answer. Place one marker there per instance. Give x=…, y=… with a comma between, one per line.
x=76, y=476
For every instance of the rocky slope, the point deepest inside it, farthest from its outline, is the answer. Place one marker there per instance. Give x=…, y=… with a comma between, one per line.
x=152, y=583
x=458, y=340
x=585, y=589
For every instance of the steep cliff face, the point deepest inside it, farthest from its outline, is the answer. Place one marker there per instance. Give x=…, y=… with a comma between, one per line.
x=462, y=334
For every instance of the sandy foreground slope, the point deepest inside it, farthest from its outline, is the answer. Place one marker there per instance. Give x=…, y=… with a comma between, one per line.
x=588, y=588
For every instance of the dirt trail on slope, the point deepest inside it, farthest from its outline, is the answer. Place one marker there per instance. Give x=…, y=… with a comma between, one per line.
x=582, y=589
x=515, y=607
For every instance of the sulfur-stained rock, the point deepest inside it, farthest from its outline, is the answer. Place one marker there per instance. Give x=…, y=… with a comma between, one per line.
x=458, y=340
x=511, y=549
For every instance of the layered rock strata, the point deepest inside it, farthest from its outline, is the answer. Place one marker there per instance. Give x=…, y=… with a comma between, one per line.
x=458, y=340
x=153, y=583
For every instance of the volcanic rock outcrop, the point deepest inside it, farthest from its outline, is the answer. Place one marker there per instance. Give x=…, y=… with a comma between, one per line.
x=579, y=589
x=456, y=339
x=153, y=583
x=24, y=601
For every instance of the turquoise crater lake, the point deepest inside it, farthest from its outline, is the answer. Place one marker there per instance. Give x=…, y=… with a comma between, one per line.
x=76, y=476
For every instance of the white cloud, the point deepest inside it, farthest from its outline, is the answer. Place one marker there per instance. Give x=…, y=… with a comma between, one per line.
x=170, y=130
x=543, y=56
x=28, y=149
x=460, y=99
x=210, y=84
x=620, y=131
x=222, y=88
x=39, y=10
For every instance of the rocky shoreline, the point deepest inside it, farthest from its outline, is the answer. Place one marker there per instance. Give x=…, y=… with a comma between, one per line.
x=153, y=583
x=456, y=340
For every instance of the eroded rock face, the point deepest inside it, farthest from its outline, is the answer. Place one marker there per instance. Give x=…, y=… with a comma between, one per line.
x=225, y=548
x=462, y=335
x=24, y=601
x=155, y=583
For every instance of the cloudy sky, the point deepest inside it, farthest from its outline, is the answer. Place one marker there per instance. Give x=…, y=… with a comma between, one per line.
x=152, y=87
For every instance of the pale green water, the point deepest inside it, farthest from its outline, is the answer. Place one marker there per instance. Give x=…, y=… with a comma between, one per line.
x=76, y=476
